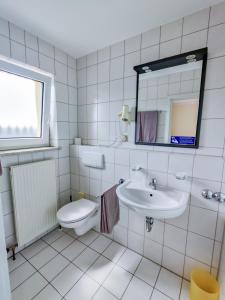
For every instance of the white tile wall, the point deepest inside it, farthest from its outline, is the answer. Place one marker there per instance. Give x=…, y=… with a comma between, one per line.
x=182, y=243
x=25, y=47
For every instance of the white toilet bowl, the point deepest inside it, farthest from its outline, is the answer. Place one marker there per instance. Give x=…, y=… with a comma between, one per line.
x=81, y=215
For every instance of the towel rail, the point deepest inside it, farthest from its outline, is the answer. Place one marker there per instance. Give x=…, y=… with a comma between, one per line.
x=120, y=182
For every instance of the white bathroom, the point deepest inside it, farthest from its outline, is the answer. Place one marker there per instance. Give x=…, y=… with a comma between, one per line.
x=112, y=150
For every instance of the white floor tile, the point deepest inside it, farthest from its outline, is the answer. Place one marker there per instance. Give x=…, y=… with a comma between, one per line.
x=100, y=244
x=29, y=288
x=100, y=269
x=86, y=259
x=43, y=257
x=129, y=261
x=54, y=267
x=156, y=295
x=84, y=289
x=137, y=289
x=148, y=271
x=169, y=284
x=21, y=274
x=117, y=281
x=62, y=242
x=185, y=290
x=33, y=249
x=103, y=294
x=13, y=264
x=53, y=236
x=48, y=293
x=73, y=250
x=67, y=279
x=114, y=252
x=89, y=237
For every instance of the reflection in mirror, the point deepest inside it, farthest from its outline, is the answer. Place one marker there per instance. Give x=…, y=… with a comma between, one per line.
x=168, y=105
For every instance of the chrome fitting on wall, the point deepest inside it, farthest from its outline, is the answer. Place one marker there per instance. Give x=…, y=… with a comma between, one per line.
x=207, y=194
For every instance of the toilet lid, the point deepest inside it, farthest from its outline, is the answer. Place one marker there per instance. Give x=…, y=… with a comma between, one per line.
x=76, y=211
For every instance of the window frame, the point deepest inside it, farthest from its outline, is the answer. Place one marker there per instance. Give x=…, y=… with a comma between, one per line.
x=26, y=71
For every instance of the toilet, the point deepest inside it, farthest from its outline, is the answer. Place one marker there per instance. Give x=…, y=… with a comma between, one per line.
x=81, y=215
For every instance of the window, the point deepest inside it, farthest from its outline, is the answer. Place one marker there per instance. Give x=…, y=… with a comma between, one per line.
x=24, y=107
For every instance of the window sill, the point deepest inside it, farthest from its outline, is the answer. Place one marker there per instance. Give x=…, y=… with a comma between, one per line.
x=27, y=150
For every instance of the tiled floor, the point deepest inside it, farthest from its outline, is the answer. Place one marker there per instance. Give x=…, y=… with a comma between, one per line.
x=62, y=266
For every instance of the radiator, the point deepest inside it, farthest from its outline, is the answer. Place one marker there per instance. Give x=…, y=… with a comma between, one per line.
x=34, y=199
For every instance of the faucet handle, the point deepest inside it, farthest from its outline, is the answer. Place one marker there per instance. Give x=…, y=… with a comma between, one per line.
x=207, y=194
x=219, y=196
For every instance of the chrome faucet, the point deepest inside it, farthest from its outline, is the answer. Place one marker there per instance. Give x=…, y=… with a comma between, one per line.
x=153, y=183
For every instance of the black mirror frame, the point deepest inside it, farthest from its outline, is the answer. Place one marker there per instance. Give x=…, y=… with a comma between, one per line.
x=180, y=59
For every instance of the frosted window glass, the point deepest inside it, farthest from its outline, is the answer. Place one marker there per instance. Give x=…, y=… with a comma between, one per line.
x=20, y=107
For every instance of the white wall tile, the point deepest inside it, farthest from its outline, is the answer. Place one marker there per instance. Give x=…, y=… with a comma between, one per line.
x=116, y=68
x=117, y=49
x=131, y=60
x=196, y=22
x=171, y=31
x=31, y=41
x=116, y=90
x=194, y=41
x=81, y=62
x=149, y=54
x=216, y=46
x=4, y=27
x=210, y=137
x=215, y=75
x=199, y=248
x=92, y=75
x=210, y=168
x=170, y=48
x=214, y=104
x=16, y=33
x=61, y=72
x=158, y=161
x=175, y=238
x=32, y=57
x=103, y=71
x=173, y=261
x=18, y=51
x=4, y=46
x=103, y=92
x=130, y=87
x=217, y=15
x=103, y=54
x=150, y=38
x=180, y=163
x=133, y=44
x=92, y=59
x=45, y=48
x=82, y=77
x=207, y=217
x=61, y=56
x=92, y=94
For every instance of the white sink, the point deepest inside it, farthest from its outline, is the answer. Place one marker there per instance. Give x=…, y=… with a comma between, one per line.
x=162, y=203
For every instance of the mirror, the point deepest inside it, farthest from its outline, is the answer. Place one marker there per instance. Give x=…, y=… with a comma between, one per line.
x=169, y=100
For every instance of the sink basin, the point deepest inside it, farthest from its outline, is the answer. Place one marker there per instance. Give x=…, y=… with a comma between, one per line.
x=162, y=203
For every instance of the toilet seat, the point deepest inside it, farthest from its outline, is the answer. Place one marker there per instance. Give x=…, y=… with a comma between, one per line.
x=76, y=211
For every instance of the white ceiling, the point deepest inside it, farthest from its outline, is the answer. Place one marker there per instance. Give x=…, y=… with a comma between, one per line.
x=82, y=26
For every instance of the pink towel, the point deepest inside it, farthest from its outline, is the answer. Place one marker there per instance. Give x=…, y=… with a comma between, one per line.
x=1, y=171
x=110, y=211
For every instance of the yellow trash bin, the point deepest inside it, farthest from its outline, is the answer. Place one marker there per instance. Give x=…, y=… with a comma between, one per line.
x=204, y=286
